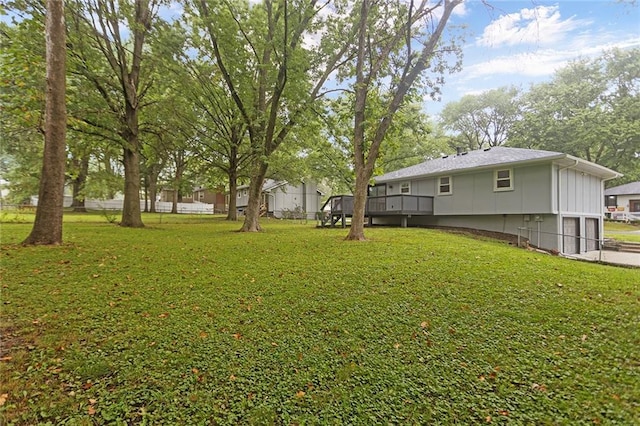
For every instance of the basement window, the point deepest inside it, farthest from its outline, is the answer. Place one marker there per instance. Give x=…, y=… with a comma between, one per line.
x=503, y=180
x=444, y=185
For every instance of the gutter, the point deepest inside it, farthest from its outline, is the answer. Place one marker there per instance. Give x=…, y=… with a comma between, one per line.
x=470, y=169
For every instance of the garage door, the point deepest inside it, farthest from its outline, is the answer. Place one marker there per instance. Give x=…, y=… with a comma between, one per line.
x=571, y=235
x=591, y=232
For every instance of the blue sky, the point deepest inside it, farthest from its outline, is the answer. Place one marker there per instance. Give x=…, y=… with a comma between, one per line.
x=524, y=42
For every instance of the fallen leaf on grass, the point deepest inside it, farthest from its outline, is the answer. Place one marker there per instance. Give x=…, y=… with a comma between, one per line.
x=300, y=394
x=3, y=398
x=539, y=388
x=163, y=315
x=91, y=410
x=237, y=336
x=92, y=401
x=6, y=358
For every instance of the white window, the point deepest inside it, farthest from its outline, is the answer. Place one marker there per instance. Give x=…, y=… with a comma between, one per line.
x=503, y=180
x=445, y=186
x=405, y=188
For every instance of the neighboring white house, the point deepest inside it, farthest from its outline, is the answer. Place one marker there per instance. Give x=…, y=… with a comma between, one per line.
x=282, y=199
x=621, y=200
x=553, y=199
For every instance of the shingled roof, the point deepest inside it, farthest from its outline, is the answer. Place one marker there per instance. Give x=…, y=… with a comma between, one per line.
x=626, y=189
x=487, y=158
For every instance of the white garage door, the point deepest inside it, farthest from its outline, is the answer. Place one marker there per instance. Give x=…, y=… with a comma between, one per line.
x=591, y=232
x=571, y=235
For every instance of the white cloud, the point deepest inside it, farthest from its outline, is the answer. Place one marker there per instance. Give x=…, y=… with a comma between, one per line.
x=533, y=64
x=542, y=25
x=544, y=62
x=461, y=10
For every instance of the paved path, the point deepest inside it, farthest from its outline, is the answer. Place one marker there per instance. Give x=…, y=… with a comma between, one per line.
x=614, y=257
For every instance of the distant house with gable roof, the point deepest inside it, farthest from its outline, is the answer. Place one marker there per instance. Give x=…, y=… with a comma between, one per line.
x=623, y=201
x=283, y=199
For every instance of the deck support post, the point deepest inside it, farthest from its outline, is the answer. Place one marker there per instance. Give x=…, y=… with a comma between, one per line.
x=403, y=222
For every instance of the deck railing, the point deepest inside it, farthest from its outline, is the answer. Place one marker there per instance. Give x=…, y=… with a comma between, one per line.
x=383, y=205
x=401, y=204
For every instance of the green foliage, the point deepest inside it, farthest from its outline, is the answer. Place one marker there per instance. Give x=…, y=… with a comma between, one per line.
x=174, y=325
x=22, y=66
x=411, y=139
x=590, y=109
x=483, y=120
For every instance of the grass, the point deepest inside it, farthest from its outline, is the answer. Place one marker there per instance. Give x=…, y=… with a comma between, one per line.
x=191, y=323
x=626, y=232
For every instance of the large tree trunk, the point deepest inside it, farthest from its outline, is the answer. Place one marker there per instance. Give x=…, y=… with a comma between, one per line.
x=232, y=214
x=174, y=201
x=78, y=185
x=356, y=231
x=252, y=213
x=131, y=214
x=47, y=228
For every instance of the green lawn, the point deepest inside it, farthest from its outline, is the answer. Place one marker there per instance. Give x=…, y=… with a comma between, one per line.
x=187, y=322
x=622, y=231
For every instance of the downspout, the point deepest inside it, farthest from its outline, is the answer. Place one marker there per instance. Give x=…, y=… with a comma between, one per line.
x=560, y=216
x=601, y=226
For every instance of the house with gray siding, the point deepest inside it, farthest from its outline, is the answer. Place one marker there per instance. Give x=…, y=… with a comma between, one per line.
x=282, y=199
x=552, y=199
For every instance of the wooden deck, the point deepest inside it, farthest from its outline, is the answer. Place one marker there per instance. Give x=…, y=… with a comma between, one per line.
x=340, y=208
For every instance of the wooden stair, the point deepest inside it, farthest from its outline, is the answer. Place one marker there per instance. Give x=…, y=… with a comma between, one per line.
x=621, y=246
x=629, y=247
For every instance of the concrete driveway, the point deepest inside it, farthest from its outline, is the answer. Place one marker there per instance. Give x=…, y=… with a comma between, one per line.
x=613, y=257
